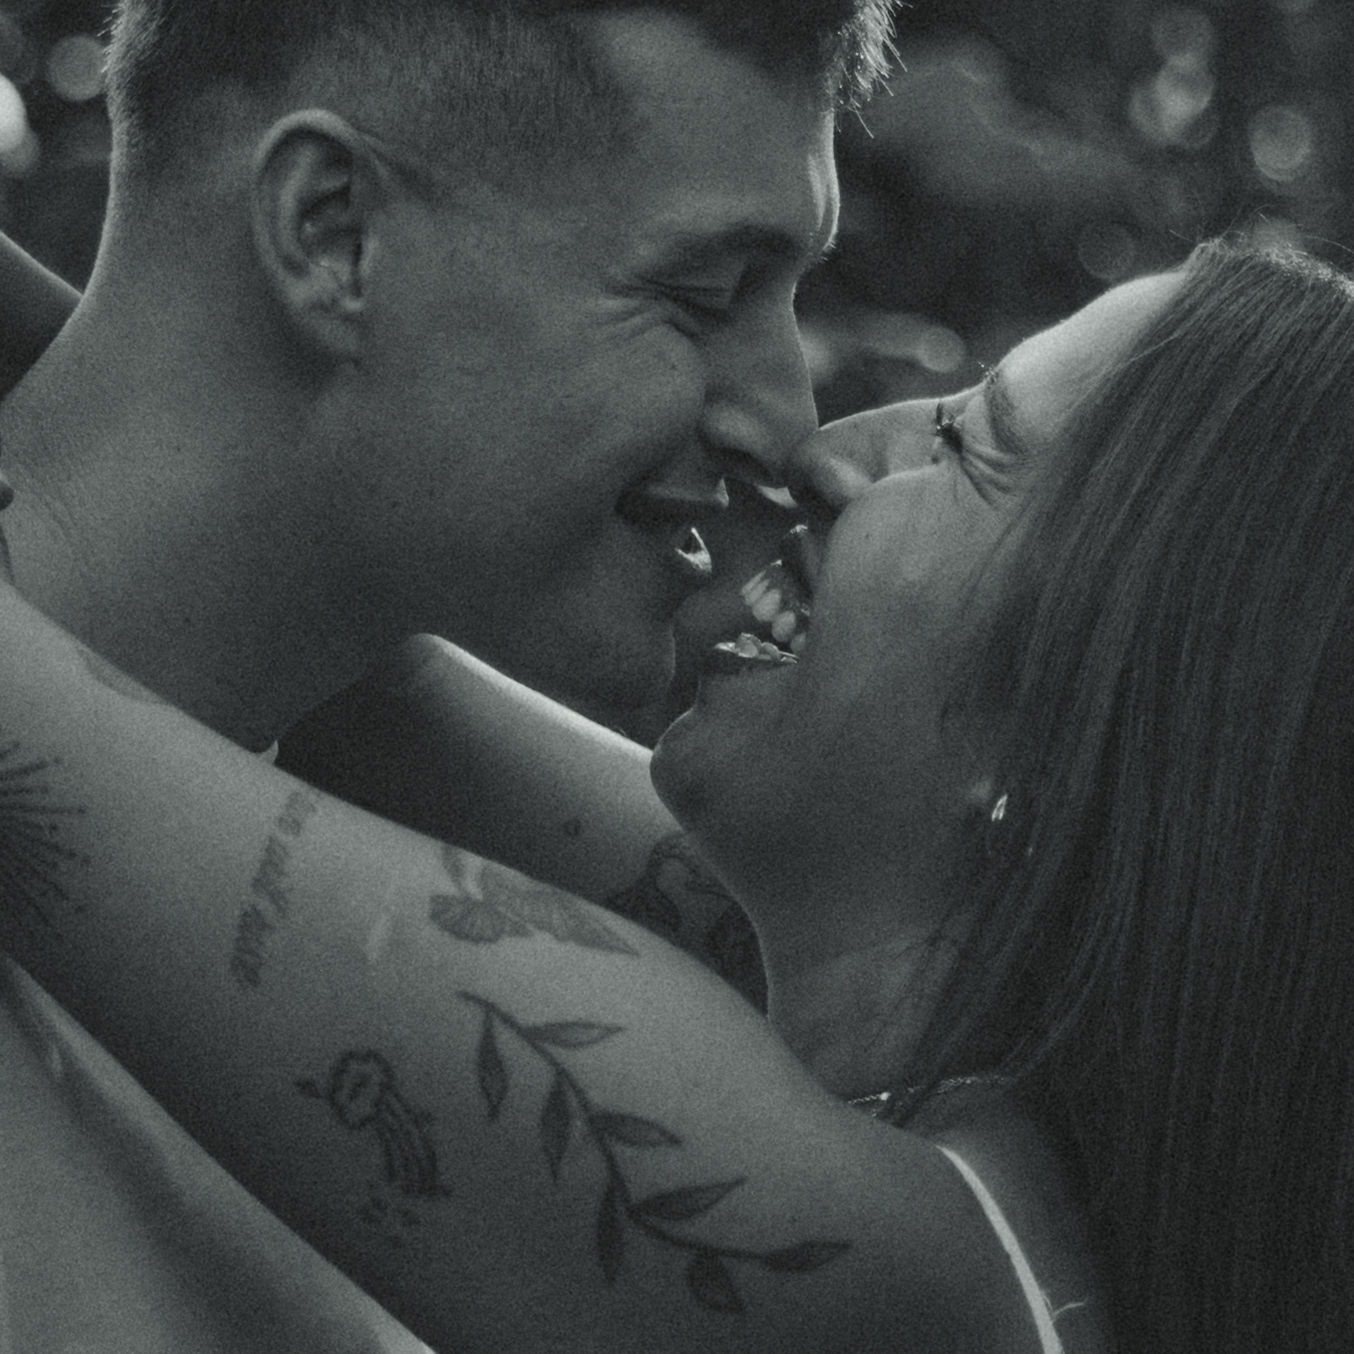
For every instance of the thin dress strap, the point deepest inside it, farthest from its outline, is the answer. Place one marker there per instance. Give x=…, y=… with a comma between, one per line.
x=1034, y=1295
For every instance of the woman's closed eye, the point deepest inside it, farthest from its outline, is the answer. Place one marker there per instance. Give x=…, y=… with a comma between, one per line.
x=983, y=449
x=947, y=429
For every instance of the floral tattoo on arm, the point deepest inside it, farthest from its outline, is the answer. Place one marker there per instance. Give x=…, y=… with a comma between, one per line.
x=483, y=904
x=658, y=900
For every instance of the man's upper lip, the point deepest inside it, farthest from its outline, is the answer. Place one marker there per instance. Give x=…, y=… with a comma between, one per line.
x=657, y=505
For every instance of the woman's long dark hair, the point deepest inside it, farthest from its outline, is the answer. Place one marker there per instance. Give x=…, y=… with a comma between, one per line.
x=1164, y=954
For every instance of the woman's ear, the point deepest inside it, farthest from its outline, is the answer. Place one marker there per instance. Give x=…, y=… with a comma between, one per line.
x=981, y=794
x=316, y=194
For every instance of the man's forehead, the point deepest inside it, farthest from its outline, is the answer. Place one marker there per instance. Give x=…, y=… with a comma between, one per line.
x=722, y=161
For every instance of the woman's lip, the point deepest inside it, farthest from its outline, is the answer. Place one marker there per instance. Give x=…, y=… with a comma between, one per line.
x=801, y=554
x=745, y=654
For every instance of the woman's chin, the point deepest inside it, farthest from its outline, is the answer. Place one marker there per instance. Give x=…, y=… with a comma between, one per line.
x=707, y=756
x=745, y=680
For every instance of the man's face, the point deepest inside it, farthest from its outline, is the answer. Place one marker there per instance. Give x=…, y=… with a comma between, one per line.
x=559, y=380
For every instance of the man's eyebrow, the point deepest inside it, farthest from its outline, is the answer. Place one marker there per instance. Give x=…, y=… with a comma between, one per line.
x=694, y=248
x=1001, y=415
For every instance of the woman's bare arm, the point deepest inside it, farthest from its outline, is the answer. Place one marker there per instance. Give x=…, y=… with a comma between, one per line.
x=443, y=743
x=520, y=1122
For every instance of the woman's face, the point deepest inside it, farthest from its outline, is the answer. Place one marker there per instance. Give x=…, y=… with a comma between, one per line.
x=838, y=772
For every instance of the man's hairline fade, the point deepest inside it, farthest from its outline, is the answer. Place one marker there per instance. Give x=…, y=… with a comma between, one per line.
x=162, y=131
x=523, y=83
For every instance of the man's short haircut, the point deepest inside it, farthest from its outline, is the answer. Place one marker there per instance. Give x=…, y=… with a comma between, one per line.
x=517, y=80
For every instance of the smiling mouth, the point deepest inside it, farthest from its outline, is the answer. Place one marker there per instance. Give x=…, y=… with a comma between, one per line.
x=692, y=555
x=779, y=609
x=669, y=514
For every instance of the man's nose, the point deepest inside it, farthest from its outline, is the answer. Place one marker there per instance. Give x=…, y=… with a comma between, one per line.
x=760, y=400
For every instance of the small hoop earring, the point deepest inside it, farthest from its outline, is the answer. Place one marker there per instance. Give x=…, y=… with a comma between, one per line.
x=999, y=830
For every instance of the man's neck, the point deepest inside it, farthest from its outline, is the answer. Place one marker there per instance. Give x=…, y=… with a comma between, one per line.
x=144, y=524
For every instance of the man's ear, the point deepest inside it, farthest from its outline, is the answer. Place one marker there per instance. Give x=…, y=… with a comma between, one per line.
x=317, y=188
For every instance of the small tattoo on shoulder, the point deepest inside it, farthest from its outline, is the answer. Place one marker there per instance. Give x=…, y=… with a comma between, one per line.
x=32, y=854
x=363, y=1095
x=569, y=1114
x=485, y=903
x=659, y=899
x=270, y=901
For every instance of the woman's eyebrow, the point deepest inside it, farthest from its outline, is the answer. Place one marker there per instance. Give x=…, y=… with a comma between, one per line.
x=1001, y=415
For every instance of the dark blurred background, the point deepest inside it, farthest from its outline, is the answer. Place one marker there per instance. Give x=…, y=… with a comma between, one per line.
x=1029, y=153
x=1034, y=151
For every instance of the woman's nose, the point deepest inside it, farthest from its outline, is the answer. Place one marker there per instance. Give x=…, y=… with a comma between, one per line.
x=823, y=482
x=843, y=459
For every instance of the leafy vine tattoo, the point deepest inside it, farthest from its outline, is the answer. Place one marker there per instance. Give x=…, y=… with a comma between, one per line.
x=487, y=903
x=31, y=851
x=708, y=1275
x=660, y=899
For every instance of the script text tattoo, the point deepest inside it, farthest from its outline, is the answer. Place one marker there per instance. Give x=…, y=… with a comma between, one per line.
x=270, y=900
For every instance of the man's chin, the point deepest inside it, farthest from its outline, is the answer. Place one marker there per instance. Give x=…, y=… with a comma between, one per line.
x=606, y=682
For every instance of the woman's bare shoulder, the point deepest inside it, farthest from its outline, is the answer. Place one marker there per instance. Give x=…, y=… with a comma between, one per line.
x=1025, y=1215
x=927, y=1269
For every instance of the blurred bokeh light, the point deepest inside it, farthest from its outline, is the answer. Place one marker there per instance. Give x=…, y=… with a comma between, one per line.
x=13, y=118
x=74, y=67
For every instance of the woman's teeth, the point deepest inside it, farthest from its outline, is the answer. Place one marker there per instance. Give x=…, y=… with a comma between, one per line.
x=734, y=654
x=775, y=598
x=749, y=646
